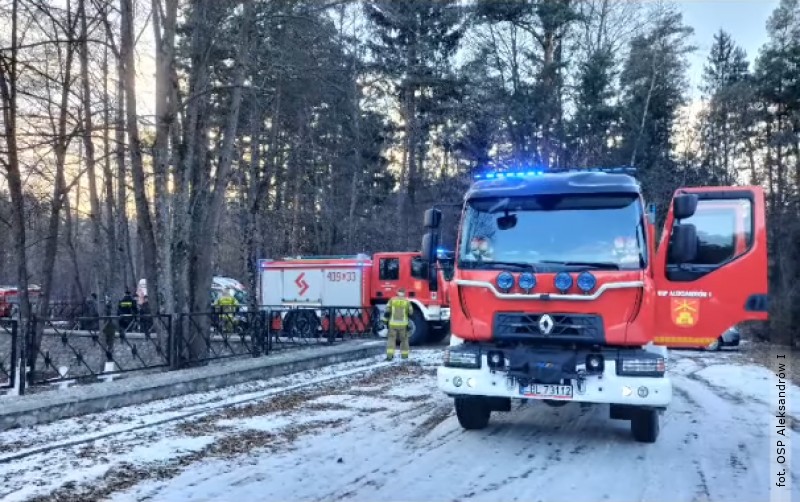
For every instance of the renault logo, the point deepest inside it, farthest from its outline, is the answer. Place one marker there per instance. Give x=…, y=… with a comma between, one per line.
x=546, y=324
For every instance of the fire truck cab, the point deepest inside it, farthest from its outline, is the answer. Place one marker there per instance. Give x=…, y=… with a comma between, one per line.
x=361, y=282
x=559, y=290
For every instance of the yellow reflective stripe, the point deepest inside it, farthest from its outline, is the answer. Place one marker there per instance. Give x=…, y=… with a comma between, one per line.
x=684, y=340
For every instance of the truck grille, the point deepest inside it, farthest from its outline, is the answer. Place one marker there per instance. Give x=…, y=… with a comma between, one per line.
x=565, y=327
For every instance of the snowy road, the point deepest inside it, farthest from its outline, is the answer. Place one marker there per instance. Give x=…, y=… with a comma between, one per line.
x=385, y=433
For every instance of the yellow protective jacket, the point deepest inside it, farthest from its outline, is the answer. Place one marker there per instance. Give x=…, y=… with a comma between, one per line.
x=227, y=304
x=398, y=310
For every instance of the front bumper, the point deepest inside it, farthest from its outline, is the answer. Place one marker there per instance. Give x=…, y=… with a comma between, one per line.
x=437, y=313
x=608, y=388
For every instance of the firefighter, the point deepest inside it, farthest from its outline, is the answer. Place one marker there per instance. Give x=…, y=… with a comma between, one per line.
x=126, y=310
x=228, y=305
x=397, y=313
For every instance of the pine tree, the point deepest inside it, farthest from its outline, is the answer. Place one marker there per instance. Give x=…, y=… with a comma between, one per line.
x=653, y=82
x=729, y=114
x=415, y=42
x=778, y=91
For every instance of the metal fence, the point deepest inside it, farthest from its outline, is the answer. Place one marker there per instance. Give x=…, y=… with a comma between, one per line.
x=93, y=347
x=74, y=347
x=9, y=347
x=203, y=337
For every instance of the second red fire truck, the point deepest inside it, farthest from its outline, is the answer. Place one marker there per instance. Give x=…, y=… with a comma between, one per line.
x=359, y=284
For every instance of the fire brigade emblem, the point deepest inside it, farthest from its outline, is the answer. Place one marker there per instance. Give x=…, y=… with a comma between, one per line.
x=685, y=312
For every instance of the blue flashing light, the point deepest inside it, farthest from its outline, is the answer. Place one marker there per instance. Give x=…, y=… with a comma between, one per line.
x=586, y=281
x=527, y=281
x=505, y=281
x=525, y=173
x=563, y=281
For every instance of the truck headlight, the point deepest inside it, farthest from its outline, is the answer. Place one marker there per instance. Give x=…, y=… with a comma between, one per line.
x=462, y=357
x=496, y=360
x=648, y=365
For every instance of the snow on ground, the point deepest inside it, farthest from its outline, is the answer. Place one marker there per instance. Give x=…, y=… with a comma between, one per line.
x=126, y=418
x=391, y=435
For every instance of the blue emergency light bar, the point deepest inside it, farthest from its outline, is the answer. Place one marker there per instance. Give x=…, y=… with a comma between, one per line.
x=528, y=173
x=359, y=256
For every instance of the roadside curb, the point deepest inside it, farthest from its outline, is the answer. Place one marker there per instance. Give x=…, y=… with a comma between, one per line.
x=35, y=409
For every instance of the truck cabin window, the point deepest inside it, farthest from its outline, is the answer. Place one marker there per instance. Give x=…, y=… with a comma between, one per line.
x=419, y=268
x=554, y=232
x=389, y=269
x=724, y=232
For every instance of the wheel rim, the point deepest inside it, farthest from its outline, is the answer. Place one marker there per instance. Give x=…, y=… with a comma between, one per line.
x=301, y=328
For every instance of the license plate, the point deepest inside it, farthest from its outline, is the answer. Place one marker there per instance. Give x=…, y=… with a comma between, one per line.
x=548, y=391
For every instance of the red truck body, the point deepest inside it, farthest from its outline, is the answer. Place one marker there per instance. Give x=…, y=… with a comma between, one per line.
x=357, y=288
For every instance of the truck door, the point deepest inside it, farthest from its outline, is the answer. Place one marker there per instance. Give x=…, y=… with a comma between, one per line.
x=725, y=281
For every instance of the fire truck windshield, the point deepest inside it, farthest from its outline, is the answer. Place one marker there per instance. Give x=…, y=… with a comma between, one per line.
x=554, y=232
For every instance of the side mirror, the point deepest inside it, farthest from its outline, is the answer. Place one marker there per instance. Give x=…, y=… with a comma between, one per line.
x=433, y=218
x=683, y=248
x=428, y=251
x=684, y=205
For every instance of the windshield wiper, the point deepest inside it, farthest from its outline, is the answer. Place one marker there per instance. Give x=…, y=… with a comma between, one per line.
x=501, y=265
x=588, y=264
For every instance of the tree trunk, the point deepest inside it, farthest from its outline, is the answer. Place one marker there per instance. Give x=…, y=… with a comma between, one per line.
x=165, y=116
x=113, y=275
x=8, y=94
x=73, y=250
x=89, y=158
x=59, y=196
x=129, y=275
x=259, y=182
x=144, y=219
x=208, y=206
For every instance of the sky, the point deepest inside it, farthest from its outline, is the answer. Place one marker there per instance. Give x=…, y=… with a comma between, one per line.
x=745, y=20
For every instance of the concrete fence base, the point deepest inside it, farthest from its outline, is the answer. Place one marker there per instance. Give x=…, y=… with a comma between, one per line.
x=28, y=410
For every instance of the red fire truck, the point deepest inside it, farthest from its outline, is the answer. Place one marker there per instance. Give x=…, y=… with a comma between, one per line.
x=559, y=290
x=9, y=298
x=359, y=283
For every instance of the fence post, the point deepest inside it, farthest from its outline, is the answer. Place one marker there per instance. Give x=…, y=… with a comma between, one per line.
x=255, y=332
x=268, y=331
x=331, y=324
x=17, y=370
x=26, y=334
x=175, y=336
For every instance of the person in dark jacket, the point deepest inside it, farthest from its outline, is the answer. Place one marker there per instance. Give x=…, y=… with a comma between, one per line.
x=90, y=313
x=127, y=310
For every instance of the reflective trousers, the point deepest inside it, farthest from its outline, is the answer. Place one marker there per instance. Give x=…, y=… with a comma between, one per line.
x=391, y=341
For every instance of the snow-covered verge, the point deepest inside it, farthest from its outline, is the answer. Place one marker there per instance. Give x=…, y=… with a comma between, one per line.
x=388, y=434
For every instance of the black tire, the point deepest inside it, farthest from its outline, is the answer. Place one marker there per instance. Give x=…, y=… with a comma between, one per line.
x=376, y=322
x=302, y=324
x=418, y=333
x=438, y=332
x=645, y=426
x=472, y=413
